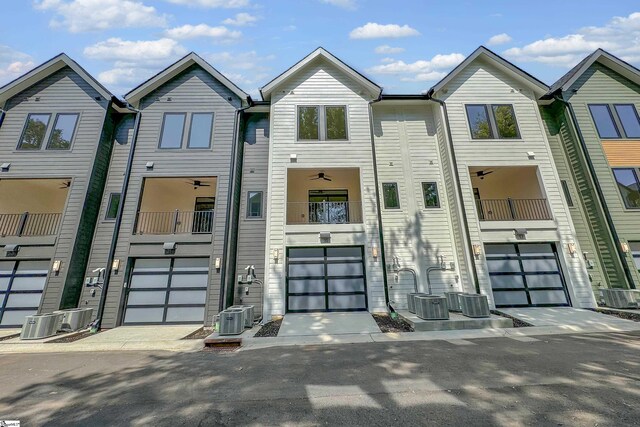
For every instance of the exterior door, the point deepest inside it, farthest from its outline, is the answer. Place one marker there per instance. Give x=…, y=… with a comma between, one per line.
x=328, y=206
x=526, y=275
x=326, y=279
x=21, y=286
x=203, y=214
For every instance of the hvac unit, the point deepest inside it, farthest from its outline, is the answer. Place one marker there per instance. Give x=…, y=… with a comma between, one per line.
x=432, y=307
x=248, y=315
x=475, y=305
x=232, y=321
x=453, y=299
x=74, y=319
x=620, y=298
x=411, y=302
x=40, y=326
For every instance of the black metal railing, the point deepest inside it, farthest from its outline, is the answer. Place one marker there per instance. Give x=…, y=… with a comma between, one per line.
x=513, y=209
x=29, y=224
x=174, y=222
x=324, y=213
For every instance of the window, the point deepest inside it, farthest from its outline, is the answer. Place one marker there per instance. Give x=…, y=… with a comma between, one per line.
x=629, y=187
x=200, y=131
x=112, y=207
x=254, y=204
x=501, y=123
x=567, y=194
x=308, y=123
x=505, y=120
x=479, y=122
x=62, y=133
x=603, y=119
x=390, y=195
x=628, y=116
x=34, y=132
x=172, y=130
x=336, y=118
x=430, y=194
x=635, y=253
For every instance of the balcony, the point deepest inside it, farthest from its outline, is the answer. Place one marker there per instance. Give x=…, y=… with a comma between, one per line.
x=32, y=207
x=323, y=196
x=509, y=194
x=176, y=206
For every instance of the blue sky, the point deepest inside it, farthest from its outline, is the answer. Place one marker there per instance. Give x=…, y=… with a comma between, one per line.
x=404, y=45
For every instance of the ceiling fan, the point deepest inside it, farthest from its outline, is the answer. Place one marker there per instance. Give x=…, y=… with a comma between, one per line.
x=320, y=175
x=482, y=174
x=65, y=184
x=197, y=183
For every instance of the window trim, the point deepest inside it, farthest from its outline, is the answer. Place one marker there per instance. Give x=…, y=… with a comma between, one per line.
x=247, y=213
x=615, y=179
x=491, y=118
x=24, y=130
x=109, y=203
x=620, y=120
x=495, y=121
x=384, y=200
x=184, y=123
x=486, y=110
x=322, y=124
x=73, y=133
x=210, y=142
x=317, y=107
x=613, y=120
x=326, y=124
x=424, y=200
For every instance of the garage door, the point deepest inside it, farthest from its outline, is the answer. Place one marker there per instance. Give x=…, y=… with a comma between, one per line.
x=21, y=286
x=167, y=290
x=526, y=275
x=326, y=279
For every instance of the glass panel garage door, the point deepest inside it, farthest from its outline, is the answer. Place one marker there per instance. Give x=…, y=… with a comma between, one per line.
x=21, y=286
x=326, y=279
x=167, y=290
x=526, y=275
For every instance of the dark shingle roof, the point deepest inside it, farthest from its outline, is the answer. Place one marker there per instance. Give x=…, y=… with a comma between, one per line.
x=569, y=75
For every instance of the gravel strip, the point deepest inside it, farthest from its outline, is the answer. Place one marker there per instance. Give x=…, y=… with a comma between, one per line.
x=71, y=337
x=621, y=314
x=200, y=334
x=387, y=324
x=517, y=323
x=269, y=329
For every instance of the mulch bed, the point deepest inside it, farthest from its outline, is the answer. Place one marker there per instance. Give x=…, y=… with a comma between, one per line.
x=517, y=323
x=8, y=337
x=72, y=337
x=387, y=324
x=269, y=329
x=621, y=314
x=200, y=334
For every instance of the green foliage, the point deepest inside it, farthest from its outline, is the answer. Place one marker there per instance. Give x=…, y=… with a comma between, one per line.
x=336, y=123
x=505, y=121
x=308, y=123
x=34, y=134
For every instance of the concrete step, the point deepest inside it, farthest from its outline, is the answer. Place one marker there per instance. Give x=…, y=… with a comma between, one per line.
x=455, y=322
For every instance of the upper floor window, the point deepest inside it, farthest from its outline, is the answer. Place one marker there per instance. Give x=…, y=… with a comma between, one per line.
x=430, y=195
x=629, y=186
x=62, y=133
x=620, y=122
x=36, y=130
x=112, y=207
x=172, y=130
x=254, y=204
x=390, y=195
x=492, y=121
x=322, y=123
x=200, y=131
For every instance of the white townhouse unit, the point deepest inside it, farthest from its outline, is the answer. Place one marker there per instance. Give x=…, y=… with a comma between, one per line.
x=520, y=235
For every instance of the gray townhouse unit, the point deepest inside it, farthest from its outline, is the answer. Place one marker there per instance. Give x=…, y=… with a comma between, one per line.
x=56, y=126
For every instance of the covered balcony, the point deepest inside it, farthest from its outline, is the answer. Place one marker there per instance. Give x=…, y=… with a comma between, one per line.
x=32, y=207
x=324, y=196
x=176, y=206
x=509, y=193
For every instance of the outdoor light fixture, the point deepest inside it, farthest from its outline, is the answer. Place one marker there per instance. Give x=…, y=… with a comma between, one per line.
x=55, y=269
x=477, y=250
x=625, y=247
x=572, y=248
x=115, y=266
x=374, y=250
x=531, y=155
x=276, y=254
x=217, y=264
x=149, y=166
x=5, y=167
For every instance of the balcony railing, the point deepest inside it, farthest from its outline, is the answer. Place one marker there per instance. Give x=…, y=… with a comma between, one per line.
x=174, y=222
x=513, y=209
x=324, y=213
x=29, y=224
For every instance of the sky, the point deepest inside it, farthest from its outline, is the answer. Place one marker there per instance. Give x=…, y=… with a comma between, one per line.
x=405, y=46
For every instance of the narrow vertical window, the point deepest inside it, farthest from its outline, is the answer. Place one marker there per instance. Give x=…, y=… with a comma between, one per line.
x=567, y=194
x=336, y=118
x=390, y=195
x=200, y=130
x=479, y=122
x=172, y=130
x=430, y=195
x=628, y=116
x=254, y=204
x=112, y=207
x=34, y=131
x=63, y=131
x=308, y=128
x=635, y=252
x=629, y=187
x=604, y=121
x=505, y=119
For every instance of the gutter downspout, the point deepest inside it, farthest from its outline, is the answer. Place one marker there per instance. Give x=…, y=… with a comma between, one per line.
x=116, y=228
x=599, y=192
x=378, y=209
x=465, y=221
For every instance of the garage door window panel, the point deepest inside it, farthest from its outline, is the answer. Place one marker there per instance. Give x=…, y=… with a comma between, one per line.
x=306, y=286
x=21, y=286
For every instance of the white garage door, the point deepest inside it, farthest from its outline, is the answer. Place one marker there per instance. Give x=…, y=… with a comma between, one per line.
x=167, y=290
x=526, y=275
x=21, y=286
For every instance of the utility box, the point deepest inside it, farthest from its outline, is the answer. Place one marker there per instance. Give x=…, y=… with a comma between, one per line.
x=411, y=302
x=232, y=321
x=74, y=319
x=249, y=314
x=621, y=298
x=453, y=300
x=40, y=326
x=432, y=307
x=475, y=305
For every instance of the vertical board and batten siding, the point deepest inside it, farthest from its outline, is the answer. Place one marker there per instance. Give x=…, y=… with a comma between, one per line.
x=407, y=153
x=600, y=85
x=482, y=83
x=319, y=83
x=252, y=232
x=193, y=90
x=62, y=92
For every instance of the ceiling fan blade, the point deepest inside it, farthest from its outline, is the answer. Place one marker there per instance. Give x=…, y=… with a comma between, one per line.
x=326, y=179
x=313, y=179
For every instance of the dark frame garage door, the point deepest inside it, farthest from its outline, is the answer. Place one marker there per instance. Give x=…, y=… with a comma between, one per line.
x=22, y=284
x=322, y=279
x=526, y=275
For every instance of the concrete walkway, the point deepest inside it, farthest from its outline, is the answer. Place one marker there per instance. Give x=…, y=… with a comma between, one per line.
x=327, y=324
x=567, y=316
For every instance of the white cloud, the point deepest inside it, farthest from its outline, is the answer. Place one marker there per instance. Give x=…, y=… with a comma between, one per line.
x=499, y=39
x=226, y=4
x=422, y=70
x=220, y=33
x=385, y=49
x=372, y=30
x=241, y=19
x=13, y=64
x=387, y=60
x=619, y=36
x=91, y=15
x=345, y=4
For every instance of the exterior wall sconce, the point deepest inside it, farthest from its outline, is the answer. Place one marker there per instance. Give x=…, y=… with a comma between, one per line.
x=5, y=167
x=55, y=269
x=625, y=247
x=531, y=155
x=374, y=250
x=477, y=250
x=217, y=264
x=115, y=266
x=276, y=255
x=572, y=248
x=149, y=166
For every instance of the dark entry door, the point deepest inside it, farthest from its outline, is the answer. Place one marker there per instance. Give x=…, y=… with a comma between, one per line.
x=328, y=206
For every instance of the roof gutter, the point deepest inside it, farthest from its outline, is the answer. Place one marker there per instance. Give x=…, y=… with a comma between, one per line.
x=599, y=192
x=463, y=210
